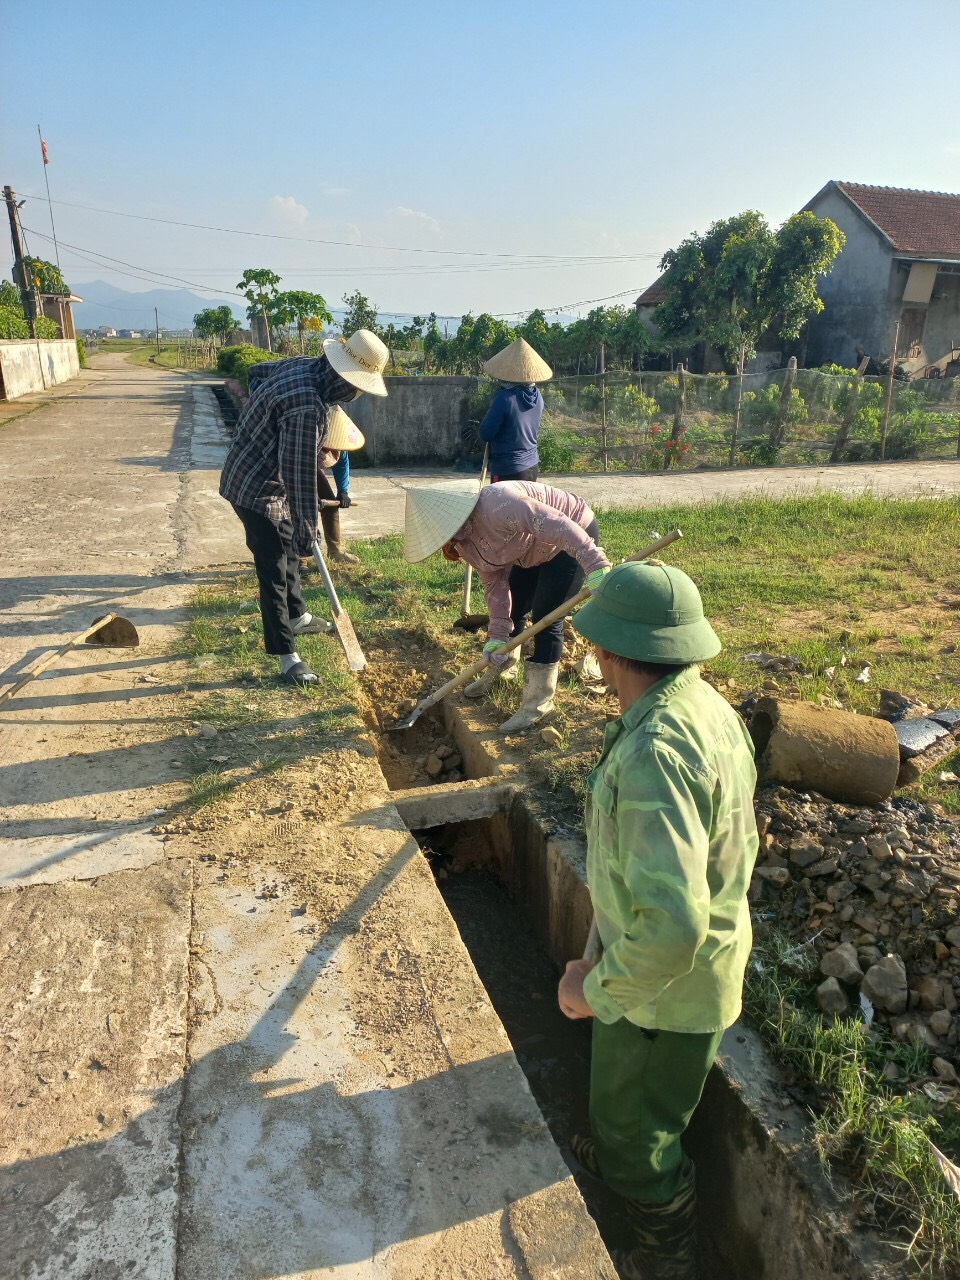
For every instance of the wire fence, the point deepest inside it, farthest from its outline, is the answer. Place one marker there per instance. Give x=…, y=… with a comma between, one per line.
x=659, y=421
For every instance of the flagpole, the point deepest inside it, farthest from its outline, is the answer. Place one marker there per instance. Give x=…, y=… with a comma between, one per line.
x=43, y=150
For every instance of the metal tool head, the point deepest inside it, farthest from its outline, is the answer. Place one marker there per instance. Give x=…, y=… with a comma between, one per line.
x=407, y=722
x=118, y=633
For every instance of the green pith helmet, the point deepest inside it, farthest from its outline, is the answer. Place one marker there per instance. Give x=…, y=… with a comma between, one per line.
x=649, y=612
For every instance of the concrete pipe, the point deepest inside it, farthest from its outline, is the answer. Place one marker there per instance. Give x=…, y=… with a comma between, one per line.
x=846, y=757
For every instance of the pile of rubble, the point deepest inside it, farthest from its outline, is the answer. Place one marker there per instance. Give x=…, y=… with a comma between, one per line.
x=438, y=760
x=876, y=892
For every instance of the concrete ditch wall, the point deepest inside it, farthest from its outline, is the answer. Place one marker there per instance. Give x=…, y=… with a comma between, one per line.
x=28, y=366
x=418, y=421
x=771, y=1213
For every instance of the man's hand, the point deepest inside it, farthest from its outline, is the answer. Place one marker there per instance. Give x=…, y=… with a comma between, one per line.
x=570, y=991
x=344, y=499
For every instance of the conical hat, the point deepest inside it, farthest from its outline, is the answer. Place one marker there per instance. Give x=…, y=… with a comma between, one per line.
x=434, y=515
x=342, y=432
x=518, y=363
x=359, y=360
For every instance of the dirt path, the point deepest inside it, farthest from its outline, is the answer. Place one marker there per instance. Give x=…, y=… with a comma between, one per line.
x=248, y=1044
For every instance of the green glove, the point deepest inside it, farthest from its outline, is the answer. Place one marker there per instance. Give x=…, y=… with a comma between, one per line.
x=594, y=579
x=491, y=652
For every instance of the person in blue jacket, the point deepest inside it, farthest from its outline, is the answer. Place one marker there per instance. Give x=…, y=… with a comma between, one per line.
x=512, y=422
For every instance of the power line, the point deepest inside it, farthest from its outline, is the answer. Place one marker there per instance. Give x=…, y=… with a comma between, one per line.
x=349, y=244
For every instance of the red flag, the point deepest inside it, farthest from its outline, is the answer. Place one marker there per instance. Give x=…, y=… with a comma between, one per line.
x=43, y=148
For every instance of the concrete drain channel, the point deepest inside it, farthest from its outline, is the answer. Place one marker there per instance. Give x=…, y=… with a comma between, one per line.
x=518, y=897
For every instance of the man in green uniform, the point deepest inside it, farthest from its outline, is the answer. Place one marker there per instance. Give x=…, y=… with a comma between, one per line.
x=671, y=843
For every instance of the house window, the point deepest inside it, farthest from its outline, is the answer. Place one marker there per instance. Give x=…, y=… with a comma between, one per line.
x=909, y=343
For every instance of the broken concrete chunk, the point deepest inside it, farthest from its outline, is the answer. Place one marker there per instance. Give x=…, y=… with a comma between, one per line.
x=831, y=997
x=779, y=876
x=453, y=761
x=825, y=867
x=915, y=736
x=804, y=852
x=842, y=963
x=434, y=766
x=949, y=719
x=550, y=736
x=886, y=984
x=840, y=891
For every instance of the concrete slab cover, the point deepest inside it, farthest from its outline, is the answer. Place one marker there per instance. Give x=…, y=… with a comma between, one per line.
x=78, y=856
x=310, y=1152
x=93, y=998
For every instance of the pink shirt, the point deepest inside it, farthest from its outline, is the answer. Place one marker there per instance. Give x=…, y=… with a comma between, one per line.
x=523, y=523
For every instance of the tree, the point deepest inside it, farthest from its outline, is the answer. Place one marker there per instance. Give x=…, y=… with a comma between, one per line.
x=259, y=286
x=728, y=286
x=215, y=322
x=361, y=314
x=45, y=275
x=305, y=310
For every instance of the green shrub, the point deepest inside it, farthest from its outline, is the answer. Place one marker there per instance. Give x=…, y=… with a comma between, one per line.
x=46, y=328
x=235, y=362
x=836, y=369
x=629, y=405
x=81, y=353
x=12, y=323
x=761, y=409
x=557, y=450
x=668, y=393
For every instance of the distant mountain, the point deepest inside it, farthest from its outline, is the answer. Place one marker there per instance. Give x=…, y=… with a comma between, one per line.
x=106, y=304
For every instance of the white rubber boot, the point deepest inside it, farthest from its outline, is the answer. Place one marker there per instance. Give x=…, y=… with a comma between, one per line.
x=539, y=687
x=506, y=671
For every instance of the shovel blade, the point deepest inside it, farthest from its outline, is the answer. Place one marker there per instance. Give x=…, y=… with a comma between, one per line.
x=351, y=645
x=118, y=633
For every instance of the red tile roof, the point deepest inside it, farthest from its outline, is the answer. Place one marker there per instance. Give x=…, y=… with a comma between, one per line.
x=926, y=223
x=652, y=296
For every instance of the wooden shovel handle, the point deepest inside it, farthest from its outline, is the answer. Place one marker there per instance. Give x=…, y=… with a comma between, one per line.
x=51, y=658
x=561, y=611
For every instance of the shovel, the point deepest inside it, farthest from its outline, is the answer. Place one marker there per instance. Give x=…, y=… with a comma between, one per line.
x=475, y=668
x=341, y=622
x=110, y=630
x=472, y=621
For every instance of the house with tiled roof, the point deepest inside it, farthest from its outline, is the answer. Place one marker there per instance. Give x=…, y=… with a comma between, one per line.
x=900, y=264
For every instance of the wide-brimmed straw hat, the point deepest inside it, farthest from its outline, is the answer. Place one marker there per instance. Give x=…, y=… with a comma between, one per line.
x=360, y=360
x=652, y=613
x=342, y=432
x=518, y=363
x=434, y=515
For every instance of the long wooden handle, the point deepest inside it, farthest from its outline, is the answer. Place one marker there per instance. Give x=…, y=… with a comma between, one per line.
x=335, y=607
x=468, y=580
x=561, y=611
x=51, y=658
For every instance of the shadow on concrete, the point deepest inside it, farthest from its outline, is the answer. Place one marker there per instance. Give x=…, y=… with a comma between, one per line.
x=279, y=1180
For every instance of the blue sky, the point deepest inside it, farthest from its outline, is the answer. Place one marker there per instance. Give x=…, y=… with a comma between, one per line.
x=569, y=130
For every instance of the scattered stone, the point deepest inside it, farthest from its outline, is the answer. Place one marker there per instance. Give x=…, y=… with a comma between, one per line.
x=909, y=1029
x=953, y=936
x=940, y=1022
x=805, y=852
x=930, y=993
x=826, y=867
x=841, y=890
x=885, y=984
x=443, y=751
x=780, y=876
x=842, y=963
x=551, y=737
x=405, y=707
x=208, y=731
x=891, y=1072
x=434, y=766
x=945, y=1070
x=831, y=997
x=451, y=762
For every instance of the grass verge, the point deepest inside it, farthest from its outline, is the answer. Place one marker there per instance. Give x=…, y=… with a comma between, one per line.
x=882, y=1132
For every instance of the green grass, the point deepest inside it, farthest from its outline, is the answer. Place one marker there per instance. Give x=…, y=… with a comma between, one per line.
x=879, y=1130
x=838, y=583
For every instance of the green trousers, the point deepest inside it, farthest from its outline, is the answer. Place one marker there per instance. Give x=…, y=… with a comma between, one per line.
x=644, y=1087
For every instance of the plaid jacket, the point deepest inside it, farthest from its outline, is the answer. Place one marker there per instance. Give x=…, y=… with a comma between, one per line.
x=271, y=467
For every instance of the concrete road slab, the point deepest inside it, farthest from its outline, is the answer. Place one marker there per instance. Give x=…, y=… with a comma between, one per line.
x=77, y=856
x=93, y=1001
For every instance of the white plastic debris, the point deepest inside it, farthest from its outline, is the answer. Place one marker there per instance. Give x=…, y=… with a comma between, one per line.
x=863, y=677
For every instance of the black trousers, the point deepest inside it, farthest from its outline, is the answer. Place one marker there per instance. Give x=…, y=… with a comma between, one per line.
x=538, y=591
x=531, y=473
x=278, y=573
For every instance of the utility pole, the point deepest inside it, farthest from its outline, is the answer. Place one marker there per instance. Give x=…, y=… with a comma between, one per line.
x=886, y=407
x=28, y=293
x=156, y=316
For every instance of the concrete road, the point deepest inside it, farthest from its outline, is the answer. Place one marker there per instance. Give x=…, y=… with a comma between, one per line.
x=380, y=498
x=206, y=1078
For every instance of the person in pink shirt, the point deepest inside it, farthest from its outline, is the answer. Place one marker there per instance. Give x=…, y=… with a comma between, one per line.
x=531, y=546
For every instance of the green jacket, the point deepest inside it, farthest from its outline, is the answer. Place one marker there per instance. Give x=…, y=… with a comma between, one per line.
x=671, y=843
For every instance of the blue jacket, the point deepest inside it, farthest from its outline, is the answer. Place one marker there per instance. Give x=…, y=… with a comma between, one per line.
x=511, y=425
x=341, y=473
